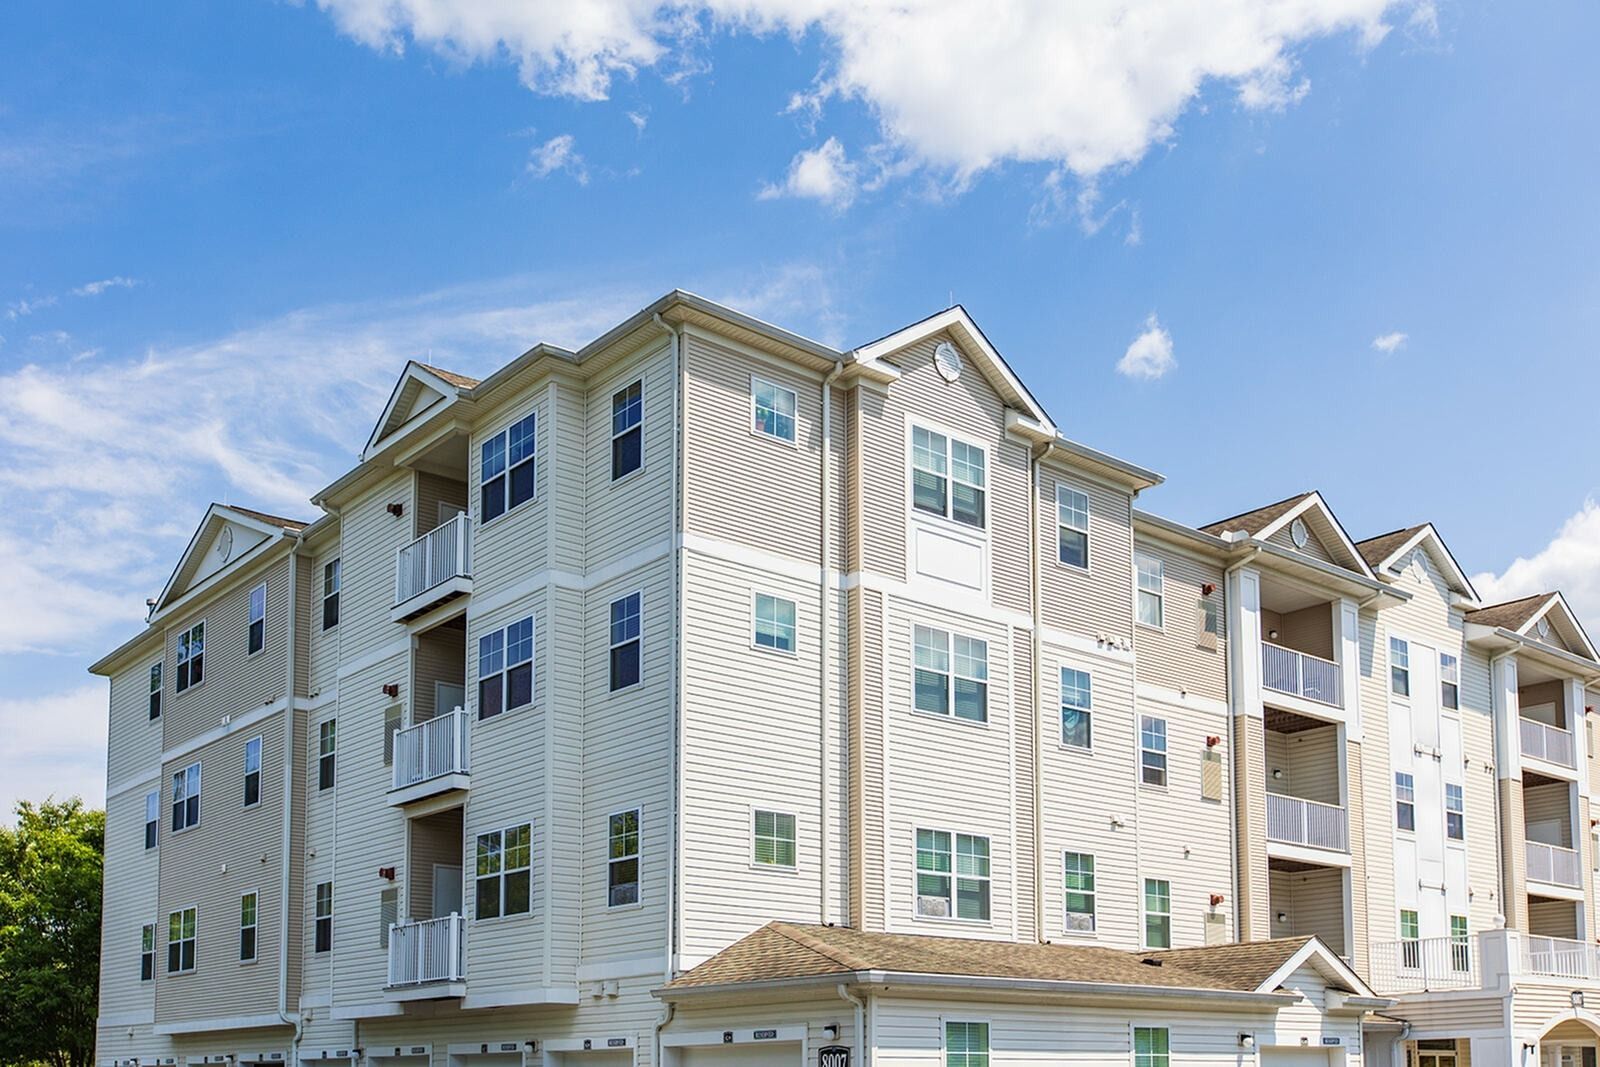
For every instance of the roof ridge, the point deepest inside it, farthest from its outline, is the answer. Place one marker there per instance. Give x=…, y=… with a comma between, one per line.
x=1518, y=600
x=1391, y=533
x=822, y=948
x=1292, y=497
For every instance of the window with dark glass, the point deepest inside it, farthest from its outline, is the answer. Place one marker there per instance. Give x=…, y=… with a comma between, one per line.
x=627, y=430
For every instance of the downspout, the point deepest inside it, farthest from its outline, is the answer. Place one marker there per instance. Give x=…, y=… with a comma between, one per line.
x=293, y=629
x=824, y=661
x=1506, y=860
x=863, y=1051
x=674, y=814
x=1036, y=605
x=1233, y=755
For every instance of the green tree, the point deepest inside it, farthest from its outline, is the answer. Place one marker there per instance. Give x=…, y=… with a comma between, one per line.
x=50, y=871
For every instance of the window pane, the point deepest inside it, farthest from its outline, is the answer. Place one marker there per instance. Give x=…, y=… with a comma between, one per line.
x=627, y=453
x=1074, y=547
x=625, y=665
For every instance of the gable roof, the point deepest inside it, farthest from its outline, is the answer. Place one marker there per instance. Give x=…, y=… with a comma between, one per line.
x=1379, y=550
x=1511, y=615
x=781, y=950
x=460, y=381
x=1520, y=616
x=418, y=387
x=271, y=527
x=1383, y=551
x=1253, y=522
x=1264, y=522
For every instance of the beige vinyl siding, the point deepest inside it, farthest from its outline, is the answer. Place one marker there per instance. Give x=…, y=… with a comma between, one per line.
x=1550, y=804
x=305, y=624
x=1311, y=902
x=560, y=843
x=134, y=742
x=440, y=655
x=881, y=475
x=1309, y=761
x=1377, y=781
x=747, y=487
x=233, y=681
x=319, y=815
x=869, y=768
x=434, y=491
x=438, y=840
x=130, y=901
x=1029, y=736
x=1250, y=848
x=233, y=850
x=1308, y=630
x=371, y=538
x=516, y=542
x=1362, y=920
x=637, y=510
x=324, y=655
x=1172, y=656
x=299, y=845
x=1553, y=918
x=1314, y=546
x=1099, y=601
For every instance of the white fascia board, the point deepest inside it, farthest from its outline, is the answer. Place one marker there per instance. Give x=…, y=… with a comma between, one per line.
x=1314, y=500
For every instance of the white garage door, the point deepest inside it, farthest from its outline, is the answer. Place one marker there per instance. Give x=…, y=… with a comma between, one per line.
x=742, y=1055
x=1295, y=1057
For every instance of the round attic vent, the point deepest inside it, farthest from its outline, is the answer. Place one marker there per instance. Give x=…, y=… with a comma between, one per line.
x=947, y=361
x=1544, y=627
x=1299, y=533
x=225, y=543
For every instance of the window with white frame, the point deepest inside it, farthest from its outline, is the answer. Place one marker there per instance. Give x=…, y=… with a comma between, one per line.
x=1072, y=526
x=1460, y=944
x=147, y=952
x=252, y=771
x=622, y=863
x=155, y=691
x=1405, y=801
x=1157, y=913
x=1152, y=750
x=1209, y=624
x=949, y=862
x=256, y=636
x=1449, y=681
x=248, y=905
x=774, y=839
x=774, y=623
x=1152, y=590
x=186, y=797
x=322, y=923
x=966, y=1044
x=1399, y=667
x=1077, y=702
x=1455, y=812
x=773, y=409
x=180, y=941
x=332, y=578
x=327, y=753
x=152, y=815
x=1410, y=939
x=951, y=674
x=948, y=477
x=505, y=669
x=505, y=872
x=1078, y=873
x=626, y=616
x=510, y=468
x=191, y=656
x=1152, y=1046
x=627, y=430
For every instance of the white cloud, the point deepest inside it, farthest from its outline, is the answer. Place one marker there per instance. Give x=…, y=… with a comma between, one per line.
x=1570, y=563
x=822, y=173
x=55, y=746
x=1150, y=354
x=558, y=153
x=1390, y=343
x=96, y=288
x=21, y=308
x=639, y=119
x=1086, y=86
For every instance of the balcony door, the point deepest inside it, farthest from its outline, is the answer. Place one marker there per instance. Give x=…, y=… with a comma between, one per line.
x=446, y=891
x=447, y=697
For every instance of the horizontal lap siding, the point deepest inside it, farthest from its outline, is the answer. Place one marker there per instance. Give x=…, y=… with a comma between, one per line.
x=130, y=901
x=1314, y=547
x=515, y=543
x=563, y=836
x=134, y=743
x=882, y=480
x=324, y=652
x=440, y=655
x=432, y=491
x=637, y=510
x=1377, y=782
x=1311, y=902
x=1172, y=656
x=1098, y=601
x=1027, y=727
x=870, y=763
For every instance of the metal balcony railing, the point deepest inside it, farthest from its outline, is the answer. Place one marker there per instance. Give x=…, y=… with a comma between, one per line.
x=443, y=553
x=430, y=950
x=1300, y=674
x=433, y=748
x=1295, y=821
x=1549, y=743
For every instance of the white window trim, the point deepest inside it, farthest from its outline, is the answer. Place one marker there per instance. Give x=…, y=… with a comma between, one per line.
x=1388, y=661
x=1161, y=596
x=780, y=868
x=505, y=670
x=1061, y=736
x=261, y=759
x=326, y=596
x=950, y=676
x=944, y=1034
x=1394, y=814
x=917, y=916
x=611, y=440
x=1088, y=539
x=250, y=621
x=205, y=655
x=638, y=856
x=755, y=430
x=1094, y=913
x=256, y=926
x=611, y=645
x=316, y=903
x=946, y=522
x=1145, y=913
x=505, y=489
x=180, y=909
x=157, y=673
x=755, y=594
x=1133, y=1047
x=321, y=755
x=1164, y=753
x=504, y=870
x=154, y=929
x=1448, y=839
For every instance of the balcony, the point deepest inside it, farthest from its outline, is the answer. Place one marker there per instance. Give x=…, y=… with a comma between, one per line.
x=434, y=568
x=427, y=958
x=1557, y=957
x=431, y=758
x=1426, y=964
x=1294, y=821
x=1549, y=743
x=1554, y=865
x=1300, y=674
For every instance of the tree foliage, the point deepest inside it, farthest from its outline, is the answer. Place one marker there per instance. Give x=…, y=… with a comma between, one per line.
x=50, y=877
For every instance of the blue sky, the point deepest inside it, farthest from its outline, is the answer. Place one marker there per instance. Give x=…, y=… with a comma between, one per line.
x=1348, y=247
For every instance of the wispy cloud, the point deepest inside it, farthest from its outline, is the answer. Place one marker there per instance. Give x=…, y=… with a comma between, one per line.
x=822, y=173
x=23, y=308
x=1570, y=562
x=1390, y=343
x=96, y=288
x=1150, y=355
x=55, y=746
x=559, y=153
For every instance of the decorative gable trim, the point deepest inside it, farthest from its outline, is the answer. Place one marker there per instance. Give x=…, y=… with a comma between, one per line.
x=1563, y=619
x=216, y=517
x=1436, y=547
x=1341, y=544
x=416, y=382
x=1323, y=959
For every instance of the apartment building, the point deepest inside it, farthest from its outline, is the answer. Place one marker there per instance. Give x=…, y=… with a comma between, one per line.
x=709, y=695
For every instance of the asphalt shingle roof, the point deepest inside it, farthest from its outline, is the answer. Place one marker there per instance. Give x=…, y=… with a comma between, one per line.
x=1377, y=549
x=1252, y=522
x=1512, y=615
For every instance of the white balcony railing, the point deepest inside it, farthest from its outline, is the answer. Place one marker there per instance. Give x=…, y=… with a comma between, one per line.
x=1294, y=821
x=433, y=748
x=443, y=553
x=1299, y=674
x=1556, y=957
x=1549, y=743
x=1554, y=865
x=1425, y=964
x=431, y=950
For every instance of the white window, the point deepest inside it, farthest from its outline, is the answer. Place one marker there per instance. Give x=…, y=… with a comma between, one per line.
x=774, y=623
x=966, y=1044
x=1152, y=750
x=327, y=753
x=256, y=637
x=186, y=797
x=152, y=815
x=1460, y=944
x=622, y=862
x=1152, y=590
x=1449, y=681
x=1410, y=940
x=969, y=865
x=1157, y=913
x=774, y=839
x=505, y=872
x=331, y=580
x=626, y=616
x=252, y=771
x=1399, y=667
x=1079, y=884
x=248, y=904
x=510, y=468
x=1405, y=801
x=1455, y=812
x=948, y=477
x=1072, y=526
x=951, y=673
x=1152, y=1047
x=191, y=656
x=155, y=691
x=505, y=669
x=627, y=430
x=147, y=952
x=1077, y=702
x=773, y=409
x=180, y=941
x=322, y=927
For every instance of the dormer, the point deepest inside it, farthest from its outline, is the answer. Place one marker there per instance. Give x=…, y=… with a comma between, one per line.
x=1301, y=526
x=227, y=538
x=1419, y=553
x=421, y=392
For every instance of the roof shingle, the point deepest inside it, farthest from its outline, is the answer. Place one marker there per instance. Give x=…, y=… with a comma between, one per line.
x=460, y=381
x=275, y=520
x=1377, y=549
x=1512, y=615
x=1252, y=522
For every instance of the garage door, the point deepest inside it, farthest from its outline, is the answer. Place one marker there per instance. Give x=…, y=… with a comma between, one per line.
x=742, y=1055
x=1294, y=1057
